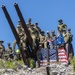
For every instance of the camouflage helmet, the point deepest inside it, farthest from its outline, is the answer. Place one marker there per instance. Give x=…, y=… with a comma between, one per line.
x=36, y=23
x=60, y=20
x=69, y=29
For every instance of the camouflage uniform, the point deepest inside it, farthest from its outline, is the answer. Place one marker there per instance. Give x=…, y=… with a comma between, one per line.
x=39, y=56
x=65, y=36
x=47, y=38
x=53, y=38
x=69, y=43
x=69, y=36
x=9, y=52
x=22, y=36
x=37, y=28
x=62, y=27
x=9, y=49
x=42, y=38
x=2, y=49
x=17, y=53
x=33, y=34
x=29, y=23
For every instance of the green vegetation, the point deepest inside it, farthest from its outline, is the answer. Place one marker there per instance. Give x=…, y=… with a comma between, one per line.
x=8, y=64
x=32, y=63
x=72, y=61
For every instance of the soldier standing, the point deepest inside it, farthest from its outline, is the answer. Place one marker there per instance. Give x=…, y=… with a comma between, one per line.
x=33, y=34
x=22, y=36
x=2, y=49
x=9, y=52
x=9, y=49
x=39, y=56
x=53, y=38
x=42, y=39
x=29, y=23
x=48, y=39
x=62, y=27
x=48, y=36
x=37, y=28
x=70, y=35
x=69, y=44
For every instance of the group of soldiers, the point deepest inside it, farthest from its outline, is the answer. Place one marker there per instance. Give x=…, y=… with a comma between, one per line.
x=68, y=37
x=40, y=38
x=6, y=53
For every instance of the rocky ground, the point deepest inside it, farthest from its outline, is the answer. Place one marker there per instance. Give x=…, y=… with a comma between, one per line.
x=54, y=69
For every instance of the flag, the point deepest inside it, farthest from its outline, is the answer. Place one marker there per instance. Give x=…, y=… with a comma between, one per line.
x=62, y=56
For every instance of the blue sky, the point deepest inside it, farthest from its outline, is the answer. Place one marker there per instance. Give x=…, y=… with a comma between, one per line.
x=45, y=12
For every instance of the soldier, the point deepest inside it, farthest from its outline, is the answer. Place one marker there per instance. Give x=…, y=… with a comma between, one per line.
x=62, y=27
x=70, y=50
x=53, y=35
x=9, y=52
x=42, y=39
x=33, y=34
x=53, y=38
x=9, y=49
x=22, y=36
x=19, y=30
x=70, y=35
x=20, y=25
x=39, y=56
x=48, y=39
x=2, y=49
x=48, y=36
x=29, y=23
x=37, y=28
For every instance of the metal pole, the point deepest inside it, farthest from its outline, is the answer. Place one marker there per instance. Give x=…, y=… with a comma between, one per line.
x=47, y=69
x=48, y=61
x=30, y=40
x=57, y=54
x=14, y=31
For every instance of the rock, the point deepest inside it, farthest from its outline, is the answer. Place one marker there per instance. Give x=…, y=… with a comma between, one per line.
x=54, y=73
x=55, y=69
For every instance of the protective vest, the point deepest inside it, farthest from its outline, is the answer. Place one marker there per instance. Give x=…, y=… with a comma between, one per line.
x=61, y=27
